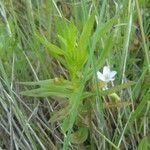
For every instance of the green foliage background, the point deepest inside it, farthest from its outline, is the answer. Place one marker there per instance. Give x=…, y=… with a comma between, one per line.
x=50, y=51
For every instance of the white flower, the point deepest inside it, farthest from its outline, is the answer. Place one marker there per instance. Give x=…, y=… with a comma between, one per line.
x=107, y=75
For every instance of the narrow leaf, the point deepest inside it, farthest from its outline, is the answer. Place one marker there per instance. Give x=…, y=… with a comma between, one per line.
x=45, y=92
x=53, y=49
x=86, y=33
x=144, y=144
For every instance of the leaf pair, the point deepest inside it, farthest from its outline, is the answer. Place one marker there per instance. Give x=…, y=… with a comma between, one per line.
x=52, y=87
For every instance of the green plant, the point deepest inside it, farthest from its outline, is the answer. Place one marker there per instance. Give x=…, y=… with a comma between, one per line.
x=61, y=47
x=73, y=54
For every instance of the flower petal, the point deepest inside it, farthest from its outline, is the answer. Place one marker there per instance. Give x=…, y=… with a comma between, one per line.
x=106, y=70
x=100, y=76
x=112, y=74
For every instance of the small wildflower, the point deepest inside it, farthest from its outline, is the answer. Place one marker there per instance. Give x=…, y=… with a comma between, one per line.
x=107, y=75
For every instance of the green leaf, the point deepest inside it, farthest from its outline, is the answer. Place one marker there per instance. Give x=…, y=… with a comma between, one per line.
x=73, y=112
x=139, y=108
x=105, y=52
x=40, y=83
x=45, y=92
x=69, y=122
x=86, y=33
x=50, y=82
x=52, y=87
x=103, y=55
x=72, y=35
x=81, y=52
x=66, y=124
x=144, y=144
x=102, y=29
x=79, y=136
x=53, y=49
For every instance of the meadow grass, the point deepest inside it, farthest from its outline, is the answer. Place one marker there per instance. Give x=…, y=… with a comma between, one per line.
x=50, y=95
